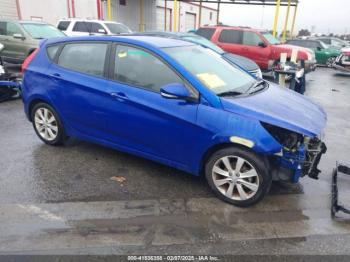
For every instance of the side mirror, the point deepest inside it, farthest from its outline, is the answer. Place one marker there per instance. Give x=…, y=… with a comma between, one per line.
x=262, y=44
x=102, y=31
x=318, y=48
x=176, y=91
x=18, y=36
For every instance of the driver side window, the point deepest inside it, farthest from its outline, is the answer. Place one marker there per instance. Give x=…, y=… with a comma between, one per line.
x=251, y=38
x=139, y=68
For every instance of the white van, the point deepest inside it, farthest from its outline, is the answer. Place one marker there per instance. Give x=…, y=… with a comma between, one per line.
x=82, y=27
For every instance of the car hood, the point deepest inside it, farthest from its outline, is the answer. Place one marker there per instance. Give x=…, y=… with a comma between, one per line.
x=245, y=63
x=280, y=107
x=287, y=47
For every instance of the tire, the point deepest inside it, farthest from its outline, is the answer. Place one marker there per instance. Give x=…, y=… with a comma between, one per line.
x=47, y=124
x=330, y=61
x=253, y=176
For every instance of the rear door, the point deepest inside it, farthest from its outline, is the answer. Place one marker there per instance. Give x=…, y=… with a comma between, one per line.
x=78, y=88
x=140, y=118
x=231, y=41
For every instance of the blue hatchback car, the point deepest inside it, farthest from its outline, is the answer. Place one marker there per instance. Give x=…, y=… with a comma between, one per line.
x=176, y=103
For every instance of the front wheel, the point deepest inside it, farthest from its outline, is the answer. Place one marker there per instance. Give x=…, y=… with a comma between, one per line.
x=238, y=176
x=47, y=124
x=330, y=61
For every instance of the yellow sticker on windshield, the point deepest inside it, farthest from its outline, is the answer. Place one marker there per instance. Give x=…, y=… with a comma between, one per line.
x=212, y=81
x=122, y=54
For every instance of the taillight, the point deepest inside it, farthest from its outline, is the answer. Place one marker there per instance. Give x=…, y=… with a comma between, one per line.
x=29, y=60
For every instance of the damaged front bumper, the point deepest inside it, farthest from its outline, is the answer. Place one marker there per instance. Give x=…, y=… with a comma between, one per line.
x=290, y=165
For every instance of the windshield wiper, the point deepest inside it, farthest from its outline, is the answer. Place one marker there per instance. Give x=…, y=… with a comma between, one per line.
x=255, y=85
x=229, y=93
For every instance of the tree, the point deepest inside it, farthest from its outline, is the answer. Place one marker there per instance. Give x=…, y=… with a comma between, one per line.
x=304, y=32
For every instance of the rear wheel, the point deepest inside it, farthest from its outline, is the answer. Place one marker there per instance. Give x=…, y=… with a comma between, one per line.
x=47, y=124
x=238, y=176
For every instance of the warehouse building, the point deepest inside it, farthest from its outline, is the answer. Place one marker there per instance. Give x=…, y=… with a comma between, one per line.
x=139, y=15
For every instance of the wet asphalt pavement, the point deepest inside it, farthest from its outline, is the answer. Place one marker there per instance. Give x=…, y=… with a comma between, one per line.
x=62, y=199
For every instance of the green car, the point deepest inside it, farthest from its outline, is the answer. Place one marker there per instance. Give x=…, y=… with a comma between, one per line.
x=325, y=55
x=20, y=38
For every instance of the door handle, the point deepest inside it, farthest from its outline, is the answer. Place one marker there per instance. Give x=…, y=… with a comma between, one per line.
x=119, y=96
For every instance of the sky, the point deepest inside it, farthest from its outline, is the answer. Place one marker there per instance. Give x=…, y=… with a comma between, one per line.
x=319, y=16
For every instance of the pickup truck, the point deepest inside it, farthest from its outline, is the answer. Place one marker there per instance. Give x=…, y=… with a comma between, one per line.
x=258, y=45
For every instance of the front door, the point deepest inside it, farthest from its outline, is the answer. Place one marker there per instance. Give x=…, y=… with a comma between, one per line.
x=252, y=50
x=140, y=117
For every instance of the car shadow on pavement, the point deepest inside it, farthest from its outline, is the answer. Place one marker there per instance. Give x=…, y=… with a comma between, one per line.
x=81, y=171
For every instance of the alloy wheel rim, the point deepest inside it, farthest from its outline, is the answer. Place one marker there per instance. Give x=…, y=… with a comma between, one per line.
x=330, y=61
x=235, y=178
x=46, y=124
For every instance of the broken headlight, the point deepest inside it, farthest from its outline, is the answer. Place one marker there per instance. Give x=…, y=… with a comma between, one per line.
x=288, y=139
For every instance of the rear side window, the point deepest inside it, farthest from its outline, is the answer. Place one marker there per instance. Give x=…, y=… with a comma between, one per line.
x=231, y=36
x=88, y=27
x=63, y=25
x=312, y=44
x=2, y=28
x=206, y=32
x=82, y=27
x=297, y=42
x=139, y=68
x=52, y=51
x=88, y=58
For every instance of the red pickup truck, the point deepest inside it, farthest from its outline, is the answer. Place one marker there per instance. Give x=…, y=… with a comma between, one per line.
x=260, y=46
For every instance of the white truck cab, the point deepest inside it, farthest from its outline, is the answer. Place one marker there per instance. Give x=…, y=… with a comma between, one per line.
x=83, y=27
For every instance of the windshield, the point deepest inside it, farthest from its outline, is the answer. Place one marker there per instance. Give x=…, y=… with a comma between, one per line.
x=214, y=72
x=202, y=41
x=118, y=28
x=271, y=39
x=324, y=46
x=41, y=31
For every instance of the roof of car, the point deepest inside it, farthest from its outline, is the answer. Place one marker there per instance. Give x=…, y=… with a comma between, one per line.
x=301, y=39
x=245, y=28
x=86, y=20
x=158, y=42
x=24, y=21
